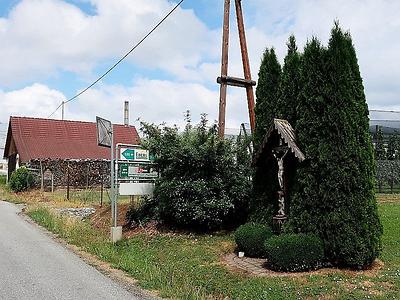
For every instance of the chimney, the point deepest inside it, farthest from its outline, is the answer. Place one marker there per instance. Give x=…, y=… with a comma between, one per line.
x=126, y=113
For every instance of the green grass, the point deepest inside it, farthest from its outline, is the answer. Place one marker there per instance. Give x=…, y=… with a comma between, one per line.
x=189, y=266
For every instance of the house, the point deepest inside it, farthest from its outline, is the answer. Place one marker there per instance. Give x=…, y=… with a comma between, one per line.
x=68, y=149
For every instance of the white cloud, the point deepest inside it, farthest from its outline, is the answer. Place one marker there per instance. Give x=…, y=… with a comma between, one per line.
x=150, y=100
x=374, y=26
x=36, y=100
x=41, y=37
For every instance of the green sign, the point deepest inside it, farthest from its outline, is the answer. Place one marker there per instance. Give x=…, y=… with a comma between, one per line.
x=128, y=154
x=123, y=170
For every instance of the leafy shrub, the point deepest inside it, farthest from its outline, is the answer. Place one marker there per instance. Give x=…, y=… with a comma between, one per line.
x=250, y=238
x=143, y=212
x=205, y=181
x=294, y=252
x=3, y=179
x=21, y=180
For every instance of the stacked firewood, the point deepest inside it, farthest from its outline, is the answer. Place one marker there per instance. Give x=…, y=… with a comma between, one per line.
x=73, y=173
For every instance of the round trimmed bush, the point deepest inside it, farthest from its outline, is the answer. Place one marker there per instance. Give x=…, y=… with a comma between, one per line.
x=294, y=252
x=21, y=180
x=250, y=238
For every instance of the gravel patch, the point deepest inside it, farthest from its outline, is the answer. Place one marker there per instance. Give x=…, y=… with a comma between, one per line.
x=80, y=213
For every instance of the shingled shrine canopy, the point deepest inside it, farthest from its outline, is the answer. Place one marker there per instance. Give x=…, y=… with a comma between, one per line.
x=284, y=130
x=279, y=151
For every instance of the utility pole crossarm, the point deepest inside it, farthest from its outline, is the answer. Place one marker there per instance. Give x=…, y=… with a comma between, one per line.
x=224, y=80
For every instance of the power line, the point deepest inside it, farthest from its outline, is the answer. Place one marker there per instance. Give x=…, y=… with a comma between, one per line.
x=385, y=111
x=120, y=60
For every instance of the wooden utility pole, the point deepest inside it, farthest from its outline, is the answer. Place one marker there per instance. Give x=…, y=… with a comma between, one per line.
x=224, y=80
x=224, y=69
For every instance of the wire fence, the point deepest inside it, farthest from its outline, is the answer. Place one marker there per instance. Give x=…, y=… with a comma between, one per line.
x=388, y=176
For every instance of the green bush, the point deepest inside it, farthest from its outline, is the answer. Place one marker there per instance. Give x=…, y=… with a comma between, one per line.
x=3, y=179
x=250, y=238
x=20, y=180
x=205, y=181
x=143, y=212
x=294, y=252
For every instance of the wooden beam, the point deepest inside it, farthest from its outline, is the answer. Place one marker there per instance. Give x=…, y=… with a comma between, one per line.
x=246, y=63
x=234, y=81
x=224, y=70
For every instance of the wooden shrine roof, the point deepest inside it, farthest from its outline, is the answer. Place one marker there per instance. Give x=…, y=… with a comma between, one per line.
x=286, y=132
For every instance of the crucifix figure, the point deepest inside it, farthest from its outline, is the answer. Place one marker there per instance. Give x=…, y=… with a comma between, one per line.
x=280, y=154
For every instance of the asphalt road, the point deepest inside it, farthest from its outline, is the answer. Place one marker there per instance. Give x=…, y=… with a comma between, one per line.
x=34, y=266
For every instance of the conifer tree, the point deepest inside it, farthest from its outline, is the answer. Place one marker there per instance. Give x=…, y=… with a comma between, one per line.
x=336, y=185
x=380, y=152
x=265, y=182
x=391, y=147
x=266, y=94
x=305, y=204
x=290, y=84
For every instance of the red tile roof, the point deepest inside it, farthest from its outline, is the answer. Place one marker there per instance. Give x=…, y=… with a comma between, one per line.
x=57, y=139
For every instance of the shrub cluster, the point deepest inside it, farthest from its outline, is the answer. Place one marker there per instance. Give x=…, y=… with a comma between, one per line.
x=21, y=180
x=294, y=252
x=205, y=181
x=143, y=212
x=3, y=179
x=250, y=238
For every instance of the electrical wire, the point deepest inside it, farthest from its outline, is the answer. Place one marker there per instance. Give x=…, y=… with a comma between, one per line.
x=120, y=60
x=385, y=111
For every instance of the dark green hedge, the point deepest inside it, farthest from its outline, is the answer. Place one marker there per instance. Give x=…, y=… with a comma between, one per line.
x=21, y=180
x=250, y=238
x=332, y=193
x=142, y=212
x=294, y=252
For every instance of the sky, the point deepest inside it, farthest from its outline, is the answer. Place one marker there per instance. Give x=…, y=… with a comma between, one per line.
x=52, y=49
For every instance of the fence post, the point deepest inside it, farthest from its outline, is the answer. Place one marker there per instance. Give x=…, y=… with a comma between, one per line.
x=68, y=180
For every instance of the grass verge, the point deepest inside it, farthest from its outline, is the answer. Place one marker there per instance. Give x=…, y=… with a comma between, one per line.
x=189, y=266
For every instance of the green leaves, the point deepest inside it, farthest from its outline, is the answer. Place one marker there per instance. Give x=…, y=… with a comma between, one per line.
x=266, y=94
x=294, y=252
x=21, y=180
x=205, y=183
x=322, y=94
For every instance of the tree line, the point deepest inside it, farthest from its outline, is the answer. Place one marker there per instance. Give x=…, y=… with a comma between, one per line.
x=320, y=92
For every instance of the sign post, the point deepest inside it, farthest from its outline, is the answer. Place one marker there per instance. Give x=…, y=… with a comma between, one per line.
x=136, y=171
x=105, y=139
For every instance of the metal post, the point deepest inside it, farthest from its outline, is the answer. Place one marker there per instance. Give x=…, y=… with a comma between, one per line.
x=68, y=180
x=115, y=185
x=41, y=177
x=112, y=180
x=52, y=183
x=62, y=110
x=101, y=186
x=246, y=63
x=224, y=70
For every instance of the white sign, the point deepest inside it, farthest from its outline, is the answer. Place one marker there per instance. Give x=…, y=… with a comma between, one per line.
x=136, y=189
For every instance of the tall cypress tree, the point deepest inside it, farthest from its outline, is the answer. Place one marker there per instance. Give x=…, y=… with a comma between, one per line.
x=265, y=182
x=352, y=229
x=305, y=204
x=266, y=94
x=336, y=185
x=290, y=84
